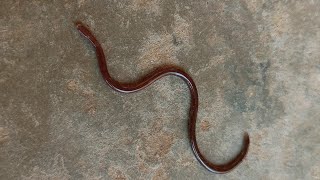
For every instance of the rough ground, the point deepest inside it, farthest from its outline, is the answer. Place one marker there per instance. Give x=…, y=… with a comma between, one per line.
x=256, y=65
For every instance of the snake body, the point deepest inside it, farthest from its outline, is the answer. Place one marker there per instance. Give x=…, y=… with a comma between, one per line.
x=152, y=77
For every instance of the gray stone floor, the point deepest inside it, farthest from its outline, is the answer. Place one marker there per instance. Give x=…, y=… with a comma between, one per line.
x=256, y=65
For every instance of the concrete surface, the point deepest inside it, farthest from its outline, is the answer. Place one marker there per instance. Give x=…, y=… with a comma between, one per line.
x=256, y=65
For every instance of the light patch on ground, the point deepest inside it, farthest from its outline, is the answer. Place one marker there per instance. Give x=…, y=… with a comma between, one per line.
x=80, y=3
x=315, y=172
x=218, y=108
x=157, y=50
x=57, y=171
x=88, y=94
x=161, y=49
x=4, y=135
x=149, y=6
x=182, y=32
x=116, y=174
x=29, y=113
x=160, y=174
x=278, y=25
x=213, y=62
x=254, y=5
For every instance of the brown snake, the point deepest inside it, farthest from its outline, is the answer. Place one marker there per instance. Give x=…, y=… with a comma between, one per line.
x=149, y=79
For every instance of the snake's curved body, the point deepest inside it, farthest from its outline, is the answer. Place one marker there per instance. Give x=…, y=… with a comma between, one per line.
x=149, y=79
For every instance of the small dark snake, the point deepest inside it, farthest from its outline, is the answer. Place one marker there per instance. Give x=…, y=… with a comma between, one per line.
x=149, y=79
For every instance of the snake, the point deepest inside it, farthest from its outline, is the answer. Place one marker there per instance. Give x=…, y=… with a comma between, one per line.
x=153, y=76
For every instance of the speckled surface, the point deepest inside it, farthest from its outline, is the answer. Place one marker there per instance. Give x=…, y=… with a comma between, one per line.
x=256, y=65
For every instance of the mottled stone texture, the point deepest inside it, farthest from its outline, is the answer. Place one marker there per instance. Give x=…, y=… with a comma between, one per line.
x=256, y=65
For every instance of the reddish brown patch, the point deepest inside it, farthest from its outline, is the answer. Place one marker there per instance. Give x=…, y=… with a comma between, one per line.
x=90, y=108
x=160, y=174
x=72, y=85
x=205, y=126
x=158, y=145
x=142, y=167
x=90, y=102
x=116, y=174
x=156, y=142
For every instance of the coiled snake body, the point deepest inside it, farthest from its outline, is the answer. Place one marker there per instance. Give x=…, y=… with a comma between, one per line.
x=149, y=79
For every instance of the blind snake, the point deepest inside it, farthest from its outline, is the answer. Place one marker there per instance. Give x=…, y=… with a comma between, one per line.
x=149, y=79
